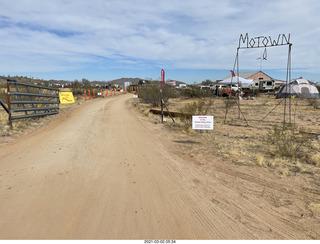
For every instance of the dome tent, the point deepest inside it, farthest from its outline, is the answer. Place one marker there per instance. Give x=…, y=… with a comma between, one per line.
x=301, y=88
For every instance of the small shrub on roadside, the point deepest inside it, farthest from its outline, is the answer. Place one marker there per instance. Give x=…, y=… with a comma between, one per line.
x=314, y=103
x=287, y=141
x=201, y=107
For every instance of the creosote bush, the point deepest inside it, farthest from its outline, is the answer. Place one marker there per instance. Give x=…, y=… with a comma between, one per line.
x=201, y=107
x=195, y=92
x=314, y=103
x=150, y=93
x=287, y=141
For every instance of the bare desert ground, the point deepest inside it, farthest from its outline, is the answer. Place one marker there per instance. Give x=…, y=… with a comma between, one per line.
x=104, y=169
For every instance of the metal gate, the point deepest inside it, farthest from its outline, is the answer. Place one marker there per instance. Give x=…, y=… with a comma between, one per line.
x=28, y=100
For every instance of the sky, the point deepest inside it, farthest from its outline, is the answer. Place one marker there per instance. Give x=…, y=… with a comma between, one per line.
x=191, y=40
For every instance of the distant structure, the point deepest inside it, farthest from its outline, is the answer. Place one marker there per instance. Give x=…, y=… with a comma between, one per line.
x=256, y=76
x=176, y=84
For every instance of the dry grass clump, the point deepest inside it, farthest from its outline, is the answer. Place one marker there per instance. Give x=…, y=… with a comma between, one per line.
x=314, y=158
x=315, y=208
x=285, y=171
x=260, y=159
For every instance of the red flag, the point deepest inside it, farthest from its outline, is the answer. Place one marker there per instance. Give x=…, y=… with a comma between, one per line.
x=259, y=58
x=232, y=73
x=162, y=77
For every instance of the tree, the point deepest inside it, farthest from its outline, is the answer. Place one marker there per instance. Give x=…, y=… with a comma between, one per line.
x=86, y=83
x=76, y=84
x=207, y=82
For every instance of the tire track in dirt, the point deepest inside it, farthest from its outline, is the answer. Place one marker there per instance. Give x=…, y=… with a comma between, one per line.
x=101, y=172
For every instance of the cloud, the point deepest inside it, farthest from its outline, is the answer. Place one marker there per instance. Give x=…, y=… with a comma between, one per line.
x=64, y=35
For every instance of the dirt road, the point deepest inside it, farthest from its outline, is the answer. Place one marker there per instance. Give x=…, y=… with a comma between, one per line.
x=97, y=173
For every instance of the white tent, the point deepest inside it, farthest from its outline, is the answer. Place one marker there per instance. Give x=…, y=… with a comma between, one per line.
x=234, y=80
x=300, y=88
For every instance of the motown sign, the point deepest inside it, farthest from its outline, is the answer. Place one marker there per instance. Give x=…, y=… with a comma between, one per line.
x=263, y=41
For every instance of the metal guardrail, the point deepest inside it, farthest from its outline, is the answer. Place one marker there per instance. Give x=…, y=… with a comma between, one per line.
x=28, y=100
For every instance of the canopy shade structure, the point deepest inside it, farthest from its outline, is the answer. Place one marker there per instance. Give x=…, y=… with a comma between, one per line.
x=244, y=83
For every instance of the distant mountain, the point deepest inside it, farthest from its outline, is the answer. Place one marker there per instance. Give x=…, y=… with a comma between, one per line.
x=60, y=82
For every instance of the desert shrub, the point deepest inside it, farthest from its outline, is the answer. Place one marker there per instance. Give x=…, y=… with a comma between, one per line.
x=201, y=107
x=3, y=95
x=150, y=93
x=313, y=158
x=315, y=103
x=195, y=92
x=77, y=91
x=287, y=141
x=77, y=88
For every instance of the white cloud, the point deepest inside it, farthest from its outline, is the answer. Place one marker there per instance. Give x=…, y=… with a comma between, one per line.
x=53, y=35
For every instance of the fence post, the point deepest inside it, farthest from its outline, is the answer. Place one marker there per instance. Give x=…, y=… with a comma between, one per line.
x=9, y=103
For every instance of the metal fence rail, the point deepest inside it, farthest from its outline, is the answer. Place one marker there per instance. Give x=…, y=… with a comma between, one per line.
x=28, y=100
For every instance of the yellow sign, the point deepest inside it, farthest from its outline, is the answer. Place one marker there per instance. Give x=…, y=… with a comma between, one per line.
x=66, y=97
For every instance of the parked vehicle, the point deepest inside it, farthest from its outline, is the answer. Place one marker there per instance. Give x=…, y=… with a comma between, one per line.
x=264, y=85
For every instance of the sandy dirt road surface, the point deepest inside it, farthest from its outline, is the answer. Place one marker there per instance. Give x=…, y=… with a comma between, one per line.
x=100, y=173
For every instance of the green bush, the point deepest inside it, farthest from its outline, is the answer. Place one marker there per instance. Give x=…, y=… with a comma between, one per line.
x=150, y=93
x=195, y=92
x=287, y=141
x=201, y=107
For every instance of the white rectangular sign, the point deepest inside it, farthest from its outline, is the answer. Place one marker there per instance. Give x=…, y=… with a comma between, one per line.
x=204, y=122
